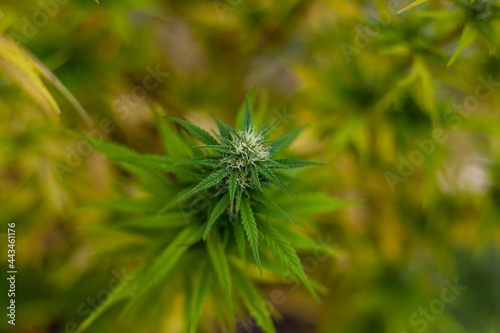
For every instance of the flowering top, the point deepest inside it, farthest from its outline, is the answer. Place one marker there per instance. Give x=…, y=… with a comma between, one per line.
x=246, y=149
x=244, y=158
x=240, y=164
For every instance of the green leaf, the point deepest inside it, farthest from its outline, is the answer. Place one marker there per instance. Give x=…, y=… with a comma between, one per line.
x=200, y=293
x=239, y=236
x=188, y=300
x=286, y=253
x=226, y=322
x=253, y=300
x=247, y=120
x=266, y=202
x=286, y=140
x=172, y=220
x=209, y=161
x=218, y=148
x=297, y=163
x=112, y=150
x=121, y=292
x=195, y=131
x=148, y=276
x=250, y=226
x=161, y=267
x=270, y=176
x=305, y=243
x=172, y=202
x=227, y=159
x=229, y=128
x=255, y=177
x=263, y=127
x=213, y=179
x=151, y=162
x=152, y=181
x=239, y=195
x=274, y=164
x=467, y=37
x=222, y=128
x=410, y=6
x=233, y=184
x=211, y=204
x=220, y=265
x=181, y=267
x=227, y=235
x=265, y=131
x=172, y=142
x=216, y=213
x=240, y=116
x=266, y=213
x=126, y=205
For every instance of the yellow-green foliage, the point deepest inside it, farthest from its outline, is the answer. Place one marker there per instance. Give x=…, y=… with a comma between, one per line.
x=399, y=99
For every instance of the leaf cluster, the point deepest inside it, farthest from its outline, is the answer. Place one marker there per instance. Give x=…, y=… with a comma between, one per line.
x=207, y=208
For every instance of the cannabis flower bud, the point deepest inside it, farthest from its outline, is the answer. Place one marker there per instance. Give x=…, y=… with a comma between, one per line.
x=247, y=148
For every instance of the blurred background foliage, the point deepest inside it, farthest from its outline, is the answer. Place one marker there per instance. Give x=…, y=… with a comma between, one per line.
x=367, y=82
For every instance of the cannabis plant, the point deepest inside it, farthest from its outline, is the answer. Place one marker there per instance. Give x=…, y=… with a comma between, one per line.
x=210, y=217
x=475, y=20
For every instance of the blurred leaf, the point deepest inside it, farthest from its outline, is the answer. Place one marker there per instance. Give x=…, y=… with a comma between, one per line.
x=195, y=131
x=250, y=226
x=220, y=266
x=252, y=300
x=286, y=253
x=18, y=64
x=410, y=6
x=283, y=142
x=467, y=37
x=200, y=293
x=216, y=213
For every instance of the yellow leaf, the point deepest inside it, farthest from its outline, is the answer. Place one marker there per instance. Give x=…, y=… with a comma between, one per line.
x=20, y=68
x=410, y=6
x=25, y=69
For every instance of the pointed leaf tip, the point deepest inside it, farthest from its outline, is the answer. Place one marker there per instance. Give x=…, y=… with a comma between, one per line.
x=410, y=6
x=247, y=120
